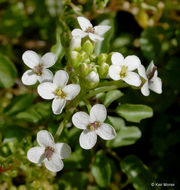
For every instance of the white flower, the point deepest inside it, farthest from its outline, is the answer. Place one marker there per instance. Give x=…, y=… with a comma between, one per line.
x=153, y=82
x=48, y=152
x=87, y=29
x=121, y=68
x=93, y=77
x=58, y=91
x=38, y=65
x=92, y=126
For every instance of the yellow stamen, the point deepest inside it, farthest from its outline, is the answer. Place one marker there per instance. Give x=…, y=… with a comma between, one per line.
x=60, y=93
x=123, y=71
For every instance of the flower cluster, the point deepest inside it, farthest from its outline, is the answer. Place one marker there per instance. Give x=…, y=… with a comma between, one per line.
x=88, y=69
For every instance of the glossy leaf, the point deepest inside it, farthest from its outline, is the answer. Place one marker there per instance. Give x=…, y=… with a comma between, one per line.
x=111, y=96
x=134, y=112
x=101, y=169
x=137, y=173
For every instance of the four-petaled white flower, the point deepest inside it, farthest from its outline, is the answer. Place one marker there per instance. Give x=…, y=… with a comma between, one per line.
x=58, y=91
x=38, y=65
x=121, y=68
x=48, y=152
x=92, y=126
x=94, y=33
x=152, y=81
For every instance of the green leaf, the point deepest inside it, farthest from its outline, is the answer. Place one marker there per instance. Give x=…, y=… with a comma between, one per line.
x=117, y=122
x=101, y=169
x=137, y=172
x=111, y=96
x=125, y=136
x=73, y=180
x=8, y=72
x=104, y=46
x=35, y=113
x=134, y=113
x=19, y=103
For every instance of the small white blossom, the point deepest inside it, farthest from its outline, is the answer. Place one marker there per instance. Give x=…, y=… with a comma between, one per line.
x=58, y=91
x=38, y=65
x=48, y=152
x=93, y=77
x=152, y=81
x=87, y=29
x=121, y=68
x=93, y=125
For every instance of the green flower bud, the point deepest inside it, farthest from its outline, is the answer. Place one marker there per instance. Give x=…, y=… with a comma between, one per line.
x=93, y=57
x=93, y=79
x=76, y=43
x=109, y=59
x=88, y=47
x=102, y=58
x=83, y=55
x=75, y=59
x=103, y=70
x=84, y=70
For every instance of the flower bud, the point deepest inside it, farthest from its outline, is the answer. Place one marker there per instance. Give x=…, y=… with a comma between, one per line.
x=103, y=70
x=102, y=58
x=108, y=61
x=88, y=47
x=93, y=57
x=83, y=56
x=75, y=59
x=84, y=69
x=93, y=77
x=76, y=43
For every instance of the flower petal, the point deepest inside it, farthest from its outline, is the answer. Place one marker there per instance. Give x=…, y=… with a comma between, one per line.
x=81, y=120
x=95, y=37
x=29, y=78
x=84, y=23
x=106, y=131
x=61, y=78
x=63, y=150
x=156, y=85
x=132, y=78
x=145, y=89
x=47, y=76
x=114, y=72
x=48, y=60
x=101, y=29
x=142, y=72
x=46, y=90
x=55, y=164
x=132, y=61
x=87, y=139
x=71, y=91
x=31, y=58
x=98, y=113
x=79, y=33
x=117, y=59
x=58, y=105
x=36, y=154
x=150, y=67
x=45, y=139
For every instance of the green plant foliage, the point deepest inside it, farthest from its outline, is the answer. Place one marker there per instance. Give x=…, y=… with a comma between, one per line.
x=101, y=169
x=134, y=113
x=137, y=173
x=8, y=72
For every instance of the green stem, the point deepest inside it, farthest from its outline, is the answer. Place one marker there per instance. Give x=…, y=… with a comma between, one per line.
x=105, y=88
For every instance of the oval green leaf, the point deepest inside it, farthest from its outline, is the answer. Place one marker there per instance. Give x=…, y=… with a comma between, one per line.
x=134, y=112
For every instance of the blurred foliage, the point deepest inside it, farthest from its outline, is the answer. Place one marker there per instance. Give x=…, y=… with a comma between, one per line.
x=147, y=28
